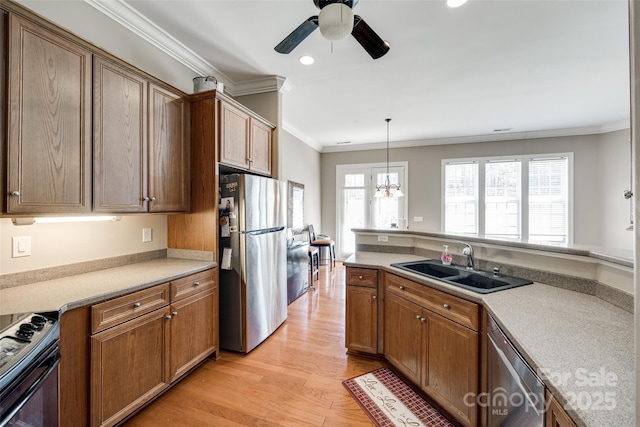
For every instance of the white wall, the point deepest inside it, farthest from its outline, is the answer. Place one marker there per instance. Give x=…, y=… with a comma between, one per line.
x=301, y=163
x=425, y=180
x=614, y=155
x=68, y=243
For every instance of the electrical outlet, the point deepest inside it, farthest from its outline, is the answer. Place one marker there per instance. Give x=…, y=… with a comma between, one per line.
x=418, y=219
x=383, y=238
x=21, y=246
x=147, y=235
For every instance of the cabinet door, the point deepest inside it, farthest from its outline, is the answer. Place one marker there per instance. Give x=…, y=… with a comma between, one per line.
x=555, y=415
x=194, y=328
x=234, y=136
x=451, y=366
x=129, y=365
x=168, y=151
x=49, y=123
x=119, y=138
x=260, y=160
x=403, y=335
x=362, y=320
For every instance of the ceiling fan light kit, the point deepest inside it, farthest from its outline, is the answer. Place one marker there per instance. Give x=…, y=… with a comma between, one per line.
x=336, y=21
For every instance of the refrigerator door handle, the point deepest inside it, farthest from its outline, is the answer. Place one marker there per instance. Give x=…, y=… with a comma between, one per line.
x=264, y=231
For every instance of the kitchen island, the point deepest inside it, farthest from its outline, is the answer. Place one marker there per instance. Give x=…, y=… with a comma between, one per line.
x=581, y=346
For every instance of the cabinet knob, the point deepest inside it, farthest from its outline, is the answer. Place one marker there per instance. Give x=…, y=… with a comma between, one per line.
x=145, y=199
x=153, y=199
x=196, y=284
x=418, y=316
x=422, y=319
x=168, y=317
x=175, y=313
x=136, y=304
x=446, y=306
x=15, y=193
x=401, y=288
x=360, y=277
x=374, y=297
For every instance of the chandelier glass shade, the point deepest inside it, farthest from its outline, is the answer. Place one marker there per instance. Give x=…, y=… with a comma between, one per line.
x=335, y=21
x=388, y=189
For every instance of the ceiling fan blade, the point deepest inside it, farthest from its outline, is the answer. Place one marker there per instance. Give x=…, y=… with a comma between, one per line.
x=368, y=39
x=295, y=38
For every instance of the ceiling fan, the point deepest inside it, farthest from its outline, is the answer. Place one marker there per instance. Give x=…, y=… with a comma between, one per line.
x=336, y=21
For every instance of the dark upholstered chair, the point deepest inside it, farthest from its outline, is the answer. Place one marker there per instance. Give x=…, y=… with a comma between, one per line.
x=323, y=243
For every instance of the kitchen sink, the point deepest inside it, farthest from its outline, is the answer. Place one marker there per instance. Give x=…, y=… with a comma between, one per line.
x=474, y=280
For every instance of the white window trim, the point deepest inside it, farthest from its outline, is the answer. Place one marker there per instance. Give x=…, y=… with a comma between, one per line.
x=366, y=166
x=525, y=184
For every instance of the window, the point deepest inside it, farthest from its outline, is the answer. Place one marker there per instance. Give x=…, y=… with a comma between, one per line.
x=356, y=206
x=527, y=198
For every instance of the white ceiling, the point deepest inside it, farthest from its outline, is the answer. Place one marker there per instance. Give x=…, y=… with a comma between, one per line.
x=540, y=67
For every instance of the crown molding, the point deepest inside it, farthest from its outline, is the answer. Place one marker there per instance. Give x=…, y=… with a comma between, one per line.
x=137, y=23
x=311, y=142
x=552, y=133
x=261, y=85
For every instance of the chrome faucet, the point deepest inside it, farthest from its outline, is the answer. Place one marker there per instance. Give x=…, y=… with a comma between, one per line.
x=468, y=252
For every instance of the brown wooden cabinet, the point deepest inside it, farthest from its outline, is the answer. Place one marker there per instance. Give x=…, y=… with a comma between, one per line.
x=194, y=321
x=144, y=341
x=432, y=338
x=135, y=171
x=119, y=138
x=245, y=140
x=361, y=326
x=49, y=122
x=555, y=415
x=129, y=366
x=168, y=151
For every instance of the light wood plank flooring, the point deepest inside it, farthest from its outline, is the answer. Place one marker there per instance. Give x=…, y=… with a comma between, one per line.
x=291, y=379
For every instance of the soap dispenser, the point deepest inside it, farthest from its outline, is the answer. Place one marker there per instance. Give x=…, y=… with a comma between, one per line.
x=446, y=256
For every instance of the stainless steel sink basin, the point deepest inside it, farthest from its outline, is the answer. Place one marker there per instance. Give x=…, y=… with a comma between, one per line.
x=474, y=280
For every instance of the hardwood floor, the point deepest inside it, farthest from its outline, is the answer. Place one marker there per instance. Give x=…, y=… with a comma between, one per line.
x=292, y=379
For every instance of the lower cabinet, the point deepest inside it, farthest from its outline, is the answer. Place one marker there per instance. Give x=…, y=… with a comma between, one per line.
x=361, y=327
x=128, y=366
x=138, y=350
x=556, y=415
x=433, y=351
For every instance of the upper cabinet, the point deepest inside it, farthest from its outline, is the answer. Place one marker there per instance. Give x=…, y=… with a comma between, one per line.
x=119, y=138
x=245, y=139
x=135, y=171
x=49, y=122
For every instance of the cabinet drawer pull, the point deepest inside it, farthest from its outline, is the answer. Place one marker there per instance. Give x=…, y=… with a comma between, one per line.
x=136, y=304
x=374, y=297
x=196, y=284
x=175, y=313
x=15, y=193
x=446, y=306
x=360, y=277
x=401, y=288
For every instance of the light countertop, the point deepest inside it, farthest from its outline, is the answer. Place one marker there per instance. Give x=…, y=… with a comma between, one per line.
x=88, y=288
x=581, y=346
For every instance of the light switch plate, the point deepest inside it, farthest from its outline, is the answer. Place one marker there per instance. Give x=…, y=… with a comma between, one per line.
x=383, y=238
x=147, y=235
x=21, y=246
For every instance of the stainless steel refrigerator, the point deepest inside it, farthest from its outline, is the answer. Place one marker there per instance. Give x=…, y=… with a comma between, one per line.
x=253, y=259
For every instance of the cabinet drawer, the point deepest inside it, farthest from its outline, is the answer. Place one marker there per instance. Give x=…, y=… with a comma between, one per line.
x=453, y=308
x=362, y=277
x=118, y=310
x=193, y=284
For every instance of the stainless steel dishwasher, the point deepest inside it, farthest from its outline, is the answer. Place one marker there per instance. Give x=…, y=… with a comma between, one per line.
x=515, y=393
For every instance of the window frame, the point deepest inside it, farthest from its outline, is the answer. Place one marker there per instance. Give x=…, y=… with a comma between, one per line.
x=524, y=196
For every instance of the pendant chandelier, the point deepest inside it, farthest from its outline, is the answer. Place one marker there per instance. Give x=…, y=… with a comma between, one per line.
x=387, y=189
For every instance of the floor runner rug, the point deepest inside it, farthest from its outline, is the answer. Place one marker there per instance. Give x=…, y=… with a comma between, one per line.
x=389, y=402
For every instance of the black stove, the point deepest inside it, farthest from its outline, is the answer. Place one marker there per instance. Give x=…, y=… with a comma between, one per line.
x=23, y=337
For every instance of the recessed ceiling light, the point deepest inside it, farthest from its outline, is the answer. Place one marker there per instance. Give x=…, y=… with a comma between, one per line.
x=306, y=60
x=343, y=142
x=503, y=130
x=455, y=3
